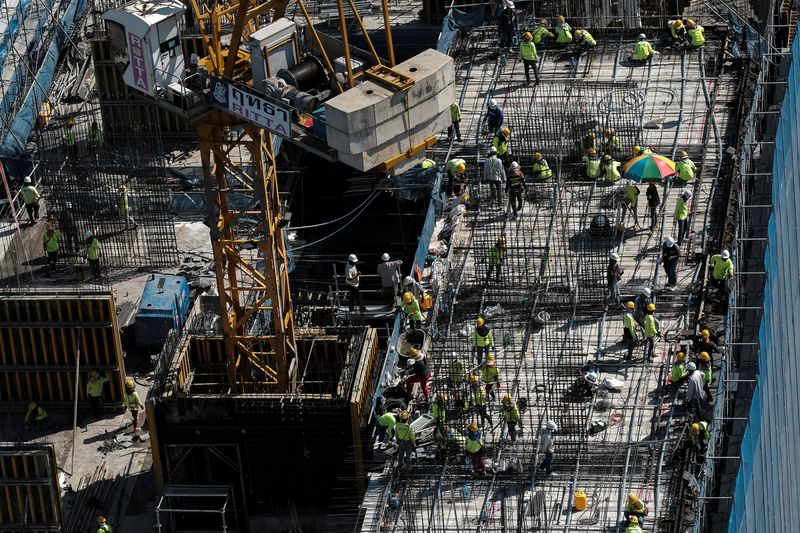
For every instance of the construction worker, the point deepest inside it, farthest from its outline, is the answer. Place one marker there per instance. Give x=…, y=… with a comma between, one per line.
x=633, y=525
x=495, y=256
x=133, y=402
x=563, y=31
x=494, y=116
x=474, y=448
x=721, y=270
x=411, y=308
x=511, y=416
x=125, y=208
x=439, y=414
x=541, y=32
x=507, y=25
x=670, y=255
x=704, y=365
x=652, y=330
x=455, y=122
x=694, y=33
x=642, y=301
x=385, y=426
x=695, y=393
x=418, y=373
x=635, y=509
x=682, y=215
x=92, y=253
x=406, y=440
x=643, y=51
x=630, y=202
x=94, y=391
x=490, y=375
x=684, y=168
x=609, y=169
x=457, y=380
x=427, y=163
x=585, y=39
x=495, y=174
x=389, y=272
x=30, y=197
x=705, y=344
x=589, y=142
x=500, y=143
x=630, y=328
x=611, y=142
x=591, y=164
x=529, y=57
x=679, y=373
x=69, y=139
x=541, y=170
x=677, y=30
x=515, y=187
x=96, y=136
x=478, y=400
x=35, y=413
x=411, y=285
x=699, y=433
x=653, y=202
x=352, y=278
x=455, y=168
x=482, y=339
x=613, y=277
x=547, y=446
x=50, y=244
x=102, y=525
x=638, y=150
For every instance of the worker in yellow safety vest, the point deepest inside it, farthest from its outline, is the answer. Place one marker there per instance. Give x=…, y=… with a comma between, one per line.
x=50, y=244
x=35, y=413
x=699, y=434
x=630, y=328
x=682, y=215
x=500, y=143
x=651, y=331
x=695, y=34
x=611, y=143
x=455, y=122
x=563, y=31
x=679, y=374
x=455, y=168
x=385, y=426
x=541, y=32
x=677, y=30
x=406, y=440
x=511, y=416
x=474, y=448
x=609, y=169
x=721, y=270
x=92, y=253
x=591, y=164
x=94, y=391
x=482, y=339
x=411, y=309
x=541, y=170
x=30, y=197
x=529, y=57
x=495, y=256
x=478, y=400
x=427, y=163
x=685, y=168
x=69, y=139
x=643, y=51
x=439, y=414
x=585, y=39
x=635, y=509
x=102, y=525
x=132, y=402
x=490, y=375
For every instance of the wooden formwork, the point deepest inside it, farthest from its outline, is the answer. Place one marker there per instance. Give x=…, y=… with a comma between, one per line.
x=30, y=499
x=40, y=337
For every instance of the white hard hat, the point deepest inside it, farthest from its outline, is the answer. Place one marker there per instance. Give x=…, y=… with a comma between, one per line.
x=514, y=164
x=592, y=377
x=492, y=150
x=352, y=258
x=670, y=242
x=691, y=367
x=725, y=254
x=552, y=426
x=614, y=256
x=492, y=103
x=408, y=280
x=385, y=257
x=27, y=179
x=646, y=291
x=88, y=233
x=510, y=5
x=642, y=36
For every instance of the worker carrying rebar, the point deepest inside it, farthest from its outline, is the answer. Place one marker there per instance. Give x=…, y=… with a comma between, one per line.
x=50, y=245
x=585, y=40
x=694, y=33
x=352, y=278
x=653, y=203
x=94, y=391
x=35, y=413
x=385, y=426
x=643, y=51
x=455, y=168
x=427, y=163
x=125, y=207
x=455, y=122
x=500, y=143
x=541, y=170
x=542, y=32
x=547, y=446
x=474, y=448
x=102, y=525
x=418, y=372
x=495, y=256
x=511, y=417
x=92, y=253
x=133, y=402
x=682, y=215
x=630, y=331
x=633, y=525
x=591, y=164
x=635, y=509
x=695, y=399
x=704, y=365
x=588, y=142
x=642, y=301
x=494, y=173
x=652, y=329
x=515, y=186
x=670, y=255
x=721, y=271
x=482, y=339
x=69, y=139
x=494, y=117
x=684, y=168
x=613, y=276
x=678, y=374
x=609, y=169
x=611, y=143
x=30, y=197
x=439, y=414
x=490, y=376
x=507, y=25
x=699, y=433
x=563, y=31
x=529, y=57
x=411, y=308
x=406, y=440
x=389, y=272
x=677, y=30
x=478, y=400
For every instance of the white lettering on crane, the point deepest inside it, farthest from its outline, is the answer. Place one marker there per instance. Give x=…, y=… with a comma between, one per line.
x=138, y=62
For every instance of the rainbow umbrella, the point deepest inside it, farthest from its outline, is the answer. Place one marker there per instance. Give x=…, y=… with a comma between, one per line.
x=649, y=167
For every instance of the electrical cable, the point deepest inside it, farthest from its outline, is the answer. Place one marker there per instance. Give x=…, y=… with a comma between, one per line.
x=373, y=196
x=309, y=226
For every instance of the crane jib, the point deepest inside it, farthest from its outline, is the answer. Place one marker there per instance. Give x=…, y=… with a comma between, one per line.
x=254, y=108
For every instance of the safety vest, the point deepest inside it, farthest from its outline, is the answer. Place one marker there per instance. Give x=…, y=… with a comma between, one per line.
x=511, y=414
x=612, y=143
x=456, y=371
x=428, y=163
x=708, y=374
x=563, y=33
x=722, y=268
x=650, y=326
x=587, y=39
x=455, y=112
x=642, y=50
x=674, y=31
x=124, y=206
x=453, y=163
x=439, y=412
x=473, y=445
x=38, y=414
x=592, y=166
x=412, y=309
x=51, y=241
x=29, y=194
x=388, y=420
x=94, y=387
x=478, y=395
x=500, y=142
x=685, y=168
x=541, y=170
x=98, y=137
x=482, y=340
x=612, y=171
x=516, y=181
x=527, y=51
x=494, y=255
x=632, y=194
x=635, y=507
x=540, y=33
x=105, y=528
x=69, y=137
x=132, y=400
x=629, y=323
x=404, y=432
x=490, y=374
x=681, y=209
x=633, y=528
x=678, y=372
x=696, y=36
x=93, y=250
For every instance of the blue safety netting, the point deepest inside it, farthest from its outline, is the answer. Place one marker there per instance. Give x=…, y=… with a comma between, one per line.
x=455, y=20
x=12, y=27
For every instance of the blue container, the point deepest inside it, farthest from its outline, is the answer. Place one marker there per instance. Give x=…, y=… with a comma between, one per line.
x=163, y=307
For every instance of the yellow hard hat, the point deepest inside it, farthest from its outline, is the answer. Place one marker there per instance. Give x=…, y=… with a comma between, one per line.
x=473, y=426
x=507, y=399
x=32, y=406
x=527, y=36
x=632, y=497
x=704, y=356
x=607, y=157
x=651, y=307
x=101, y=519
x=634, y=519
x=461, y=167
x=679, y=24
x=407, y=297
x=637, y=149
x=506, y=131
x=560, y=18
x=690, y=23
x=705, y=333
x=683, y=153
x=403, y=415
x=413, y=352
x=543, y=22
x=592, y=151
x=537, y=156
x=681, y=356
x=130, y=384
x=591, y=135
x=578, y=34
x=501, y=242
x=480, y=321
x=630, y=305
x=608, y=132
x=442, y=397
x=474, y=378
x=695, y=428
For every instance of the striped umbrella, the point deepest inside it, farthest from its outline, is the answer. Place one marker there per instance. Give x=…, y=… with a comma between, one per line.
x=649, y=167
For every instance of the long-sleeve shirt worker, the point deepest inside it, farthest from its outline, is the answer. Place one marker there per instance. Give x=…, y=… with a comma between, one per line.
x=651, y=328
x=94, y=387
x=93, y=250
x=685, y=169
x=681, y=208
x=695, y=388
x=412, y=309
x=629, y=323
x=540, y=33
x=405, y=433
x=389, y=273
x=50, y=242
x=527, y=51
x=493, y=169
x=29, y=194
x=351, y=276
x=642, y=50
x=721, y=268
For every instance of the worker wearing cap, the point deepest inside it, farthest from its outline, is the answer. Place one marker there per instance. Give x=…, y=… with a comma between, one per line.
x=94, y=391
x=132, y=401
x=588, y=142
x=529, y=57
x=651, y=331
x=125, y=207
x=721, y=270
x=591, y=164
x=633, y=525
x=694, y=393
x=389, y=272
x=642, y=301
x=495, y=256
x=30, y=197
x=541, y=32
x=511, y=416
x=418, y=373
x=611, y=142
x=427, y=163
x=490, y=375
x=352, y=279
x=704, y=365
x=411, y=308
x=684, y=168
x=482, y=339
x=35, y=413
x=613, y=277
x=630, y=328
x=474, y=448
x=635, y=508
x=69, y=139
x=478, y=400
x=563, y=31
x=585, y=39
x=406, y=440
x=638, y=150
x=500, y=142
x=699, y=433
x=439, y=414
x=679, y=373
x=411, y=285
x=694, y=33
x=494, y=116
x=102, y=525
x=653, y=202
x=455, y=122
x=643, y=51
x=507, y=25
x=704, y=344
x=670, y=255
x=455, y=168
x=515, y=187
x=547, y=446
x=682, y=215
x=677, y=30
x=495, y=174
x=385, y=427
x=541, y=169
x=50, y=244
x=609, y=169
x=92, y=253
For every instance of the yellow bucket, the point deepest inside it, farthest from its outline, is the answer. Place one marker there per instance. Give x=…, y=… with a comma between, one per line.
x=580, y=500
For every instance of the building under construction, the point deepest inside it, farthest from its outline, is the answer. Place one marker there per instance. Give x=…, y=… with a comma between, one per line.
x=184, y=186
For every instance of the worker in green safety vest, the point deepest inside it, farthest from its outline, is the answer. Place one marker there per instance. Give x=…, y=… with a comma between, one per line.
x=35, y=413
x=455, y=122
x=102, y=525
x=478, y=399
x=427, y=163
x=511, y=416
x=439, y=414
x=94, y=391
x=69, y=139
x=685, y=168
x=541, y=32
x=585, y=39
x=682, y=215
x=704, y=364
x=651, y=331
x=699, y=433
x=695, y=32
x=643, y=51
x=609, y=169
x=50, y=244
x=541, y=170
x=133, y=402
x=125, y=207
x=629, y=200
x=678, y=374
x=630, y=328
x=455, y=168
x=30, y=197
x=474, y=448
x=500, y=143
x=406, y=440
x=495, y=256
x=563, y=31
x=490, y=375
x=385, y=427
x=611, y=142
x=482, y=339
x=92, y=253
x=411, y=309
x=591, y=164
x=677, y=30
x=721, y=270
x=529, y=57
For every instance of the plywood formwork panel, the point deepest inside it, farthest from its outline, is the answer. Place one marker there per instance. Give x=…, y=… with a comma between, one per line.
x=30, y=499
